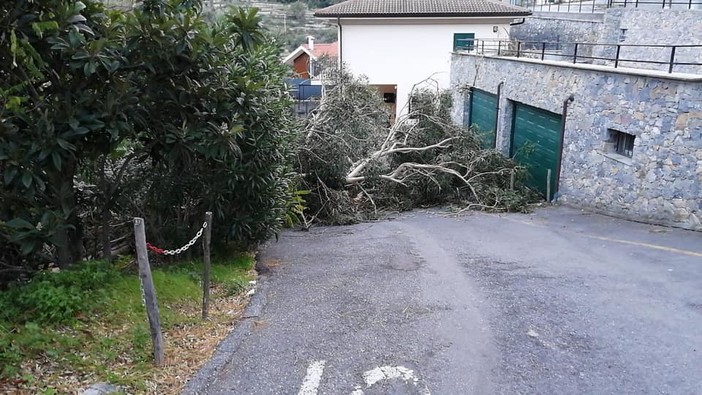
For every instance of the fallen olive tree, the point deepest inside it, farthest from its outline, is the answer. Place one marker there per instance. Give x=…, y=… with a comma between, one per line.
x=355, y=164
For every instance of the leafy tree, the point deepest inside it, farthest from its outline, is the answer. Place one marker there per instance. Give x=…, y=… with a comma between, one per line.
x=93, y=100
x=64, y=102
x=298, y=11
x=222, y=125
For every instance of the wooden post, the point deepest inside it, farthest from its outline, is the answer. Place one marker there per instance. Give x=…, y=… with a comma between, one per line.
x=548, y=186
x=206, y=236
x=511, y=181
x=148, y=290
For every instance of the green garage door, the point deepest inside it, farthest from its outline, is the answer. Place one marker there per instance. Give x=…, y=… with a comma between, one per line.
x=536, y=143
x=483, y=115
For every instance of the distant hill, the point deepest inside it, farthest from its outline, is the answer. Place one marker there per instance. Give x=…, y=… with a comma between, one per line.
x=290, y=21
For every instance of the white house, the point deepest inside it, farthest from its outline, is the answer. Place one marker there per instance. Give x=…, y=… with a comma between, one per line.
x=400, y=43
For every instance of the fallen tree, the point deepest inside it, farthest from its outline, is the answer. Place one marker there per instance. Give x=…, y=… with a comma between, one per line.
x=355, y=163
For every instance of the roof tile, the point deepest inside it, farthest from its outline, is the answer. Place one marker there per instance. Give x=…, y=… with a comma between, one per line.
x=421, y=8
x=322, y=49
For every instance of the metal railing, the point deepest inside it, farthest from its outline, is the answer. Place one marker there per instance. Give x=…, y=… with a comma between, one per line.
x=670, y=58
x=590, y=6
x=593, y=6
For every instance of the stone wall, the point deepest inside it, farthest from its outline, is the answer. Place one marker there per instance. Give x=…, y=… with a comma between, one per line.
x=654, y=27
x=661, y=183
x=560, y=28
x=644, y=26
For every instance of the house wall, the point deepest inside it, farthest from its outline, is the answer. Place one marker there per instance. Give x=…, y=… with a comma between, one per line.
x=661, y=183
x=406, y=52
x=301, y=66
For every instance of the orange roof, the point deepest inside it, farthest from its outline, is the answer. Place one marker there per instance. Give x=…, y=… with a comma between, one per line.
x=331, y=50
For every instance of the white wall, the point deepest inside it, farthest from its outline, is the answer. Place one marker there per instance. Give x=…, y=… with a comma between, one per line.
x=405, y=52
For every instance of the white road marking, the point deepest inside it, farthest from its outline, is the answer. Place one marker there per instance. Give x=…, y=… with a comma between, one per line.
x=388, y=373
x=635, y=243
x=312, y=379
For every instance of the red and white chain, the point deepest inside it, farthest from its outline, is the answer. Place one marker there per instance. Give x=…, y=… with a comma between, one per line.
x=180, y=250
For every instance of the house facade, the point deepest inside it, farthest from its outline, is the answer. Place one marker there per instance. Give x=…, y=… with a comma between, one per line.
x=309, y=60
x=400, y=44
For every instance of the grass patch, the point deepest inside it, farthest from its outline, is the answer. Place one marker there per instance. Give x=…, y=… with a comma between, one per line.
x=66, y=330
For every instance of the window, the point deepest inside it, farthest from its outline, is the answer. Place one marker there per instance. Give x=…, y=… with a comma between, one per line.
x=463, y=41
x=621, y=143
x=622, y=35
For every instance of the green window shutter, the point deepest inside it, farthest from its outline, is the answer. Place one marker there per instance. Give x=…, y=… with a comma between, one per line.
x=463, y=41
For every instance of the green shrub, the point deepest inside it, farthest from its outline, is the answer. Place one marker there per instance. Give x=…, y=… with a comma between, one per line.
x=57, y=297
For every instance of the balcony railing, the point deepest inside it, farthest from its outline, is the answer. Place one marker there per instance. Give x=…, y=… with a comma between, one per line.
x=592, y=6
x=668, y=58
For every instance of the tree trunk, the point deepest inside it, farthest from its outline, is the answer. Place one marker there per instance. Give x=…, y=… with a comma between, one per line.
x=106, y=245
x=105, y=213
x=69, y=237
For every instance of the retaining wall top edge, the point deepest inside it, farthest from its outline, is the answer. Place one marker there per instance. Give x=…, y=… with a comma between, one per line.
x=597, y=16
x=593, y=67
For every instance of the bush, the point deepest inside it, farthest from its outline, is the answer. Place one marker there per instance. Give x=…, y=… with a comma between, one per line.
x=57, y=297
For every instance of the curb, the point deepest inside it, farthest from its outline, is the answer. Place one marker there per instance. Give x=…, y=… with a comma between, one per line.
x=225, y=351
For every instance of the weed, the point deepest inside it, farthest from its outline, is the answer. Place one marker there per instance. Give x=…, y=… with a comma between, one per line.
x=235, y=286
x=57, y=298
x=90, y=320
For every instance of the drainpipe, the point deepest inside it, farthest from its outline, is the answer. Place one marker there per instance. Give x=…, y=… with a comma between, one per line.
x=497, y=110
x=341, y=53
x=518, y=23
x=564, y=115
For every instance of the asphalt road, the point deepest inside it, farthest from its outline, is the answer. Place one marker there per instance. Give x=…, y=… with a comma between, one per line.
x=555, y=302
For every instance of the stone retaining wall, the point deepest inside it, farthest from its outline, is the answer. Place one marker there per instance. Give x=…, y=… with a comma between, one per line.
x=559, y=28
x=661, y=183
x=654, y=27
x=644, y=26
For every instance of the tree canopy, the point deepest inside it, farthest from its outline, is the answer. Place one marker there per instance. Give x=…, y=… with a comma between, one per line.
x=108, y=114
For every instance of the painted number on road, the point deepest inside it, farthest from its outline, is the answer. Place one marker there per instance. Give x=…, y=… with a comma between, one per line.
x=310, y=384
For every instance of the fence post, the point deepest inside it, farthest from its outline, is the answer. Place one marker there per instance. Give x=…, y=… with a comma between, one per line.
x=672, y=59
x=482, y=45
x=575, y=53
x=206, y=263
x=616, y=58
x=149, y=292
x=519, y=47
x=548, y=186
x=499, y=44
x=543, y=50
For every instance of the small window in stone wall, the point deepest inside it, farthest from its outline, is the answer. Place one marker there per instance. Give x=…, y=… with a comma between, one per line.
x=622, y=35
x=620, y=143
